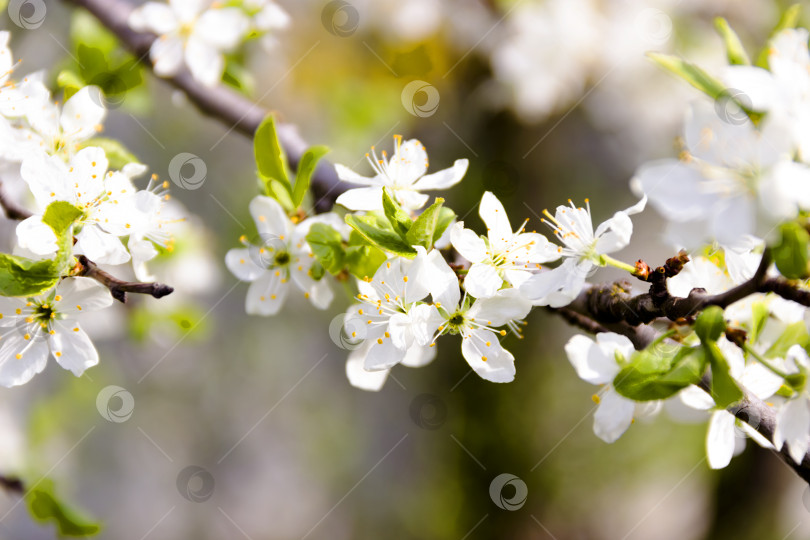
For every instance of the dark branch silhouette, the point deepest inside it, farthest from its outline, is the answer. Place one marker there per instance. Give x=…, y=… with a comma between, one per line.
x=119, y=288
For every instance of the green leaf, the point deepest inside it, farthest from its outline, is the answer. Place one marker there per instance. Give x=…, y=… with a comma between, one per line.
x=327, y=246
x=710, y=324
x=23, y=277
x=791, y=254
x=303, y=175
x=281, y=193
x=724, y=391
x=60, y=215
x=793, y=334
x=690, y=73
x=270, y=158
x=759, y=316
x=70, y=83
x=654, y=374
x=399, y=218
x=424, y=228
x=362, y=259
x=446, y=217
x=789, y=19
x=44, y=505
x=385, y=239
x=116, y=152
x=735, y=52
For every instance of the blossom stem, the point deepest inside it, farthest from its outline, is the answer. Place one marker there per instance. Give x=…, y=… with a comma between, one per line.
x=747, y=348
x=607, y=260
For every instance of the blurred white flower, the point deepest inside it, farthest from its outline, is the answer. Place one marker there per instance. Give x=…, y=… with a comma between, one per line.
x=193, y=32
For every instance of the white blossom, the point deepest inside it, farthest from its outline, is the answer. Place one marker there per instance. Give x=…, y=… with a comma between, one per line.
x=48, y=324
x=404, y=174
x=193, y=32
x=280, y=258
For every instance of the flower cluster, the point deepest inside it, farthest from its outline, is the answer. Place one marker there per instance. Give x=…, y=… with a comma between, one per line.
x=80, y=205
x=197, y=33
x=738, y=194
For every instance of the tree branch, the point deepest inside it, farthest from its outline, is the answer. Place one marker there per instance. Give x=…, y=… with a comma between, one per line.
x=119, y=288
x=227, y=106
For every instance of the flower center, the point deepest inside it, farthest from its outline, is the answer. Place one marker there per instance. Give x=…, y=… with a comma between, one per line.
x=282, y=258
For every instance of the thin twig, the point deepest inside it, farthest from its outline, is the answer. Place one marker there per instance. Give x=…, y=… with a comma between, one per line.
x=119, y=288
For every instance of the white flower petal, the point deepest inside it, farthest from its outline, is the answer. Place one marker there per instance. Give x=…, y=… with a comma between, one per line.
x=793, y=428
x=366, y=199
x=590, y=362
x=443, y=179
x=418, y=356
x=271, y=220
x=499, y=231
x=383, y=356
x=241, y=264
x=81, y=294
x=100, y=246
x=482, y=280
x=82, y=114
x=222, y=28
x=36, y=237
x=204, y=61
x=489, y=360
x=266, y=295
x=33, y=356
x=166, y=54
x=72, y=347
x=720, y=439
x=613, y=416
x=471, y=246
x=504, y=306
x=153, y=17
x=358, y=377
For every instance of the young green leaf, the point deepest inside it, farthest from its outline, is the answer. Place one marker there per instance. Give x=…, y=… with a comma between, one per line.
x=724, y=390
x=446, y=217
x=735, y=52
x=270, y=158
x=385, y=239
x=710, y=324
x=281, y=193
x=690, y=73
x=362, y=259
x=400, y=220
x=69, y=82
x=306, y=167
x=424, y=228
x=327, y=246
x=793, y=334
x=655, y=374
x=791, y=253
x=60, y=215
x=44, y=505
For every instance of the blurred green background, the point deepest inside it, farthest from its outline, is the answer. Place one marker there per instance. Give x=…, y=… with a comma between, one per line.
x=549, y=100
